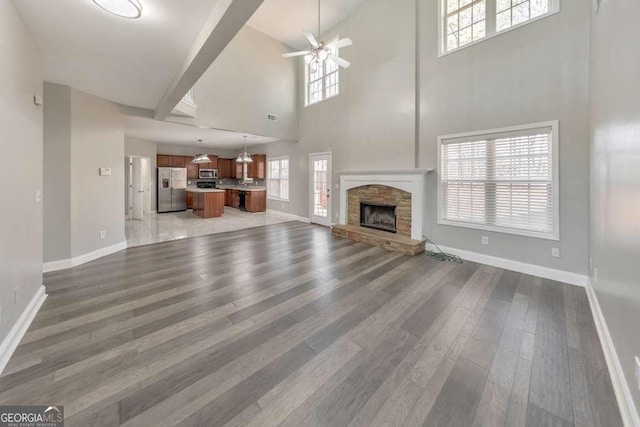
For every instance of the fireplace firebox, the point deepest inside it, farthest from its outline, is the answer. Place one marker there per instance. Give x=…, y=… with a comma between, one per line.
x=381, y=217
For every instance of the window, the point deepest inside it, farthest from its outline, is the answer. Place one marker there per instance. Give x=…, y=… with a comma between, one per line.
x=464, y=22
x=278, y=179
x=502, y=180
x=322, y=82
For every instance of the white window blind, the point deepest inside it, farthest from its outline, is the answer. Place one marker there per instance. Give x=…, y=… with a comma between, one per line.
x=500, y=180
x=278, y=179
x=322, y=82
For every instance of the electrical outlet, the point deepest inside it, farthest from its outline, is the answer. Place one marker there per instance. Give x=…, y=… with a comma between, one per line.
x=638, y=371
x=485, y=240
x=555, y=252
x=103, y=234
x=595, y=275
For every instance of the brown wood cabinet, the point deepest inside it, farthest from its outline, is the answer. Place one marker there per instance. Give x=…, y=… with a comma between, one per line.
x=257, y=168
x=178, y=162
x=209, y=204
x=227, y=197
x=238, y=169
x=256, y=201
x=213, y=164
x=192, y=168
x=163, y=161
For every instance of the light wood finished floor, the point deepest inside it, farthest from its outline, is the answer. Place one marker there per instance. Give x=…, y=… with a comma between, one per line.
x=285, y=325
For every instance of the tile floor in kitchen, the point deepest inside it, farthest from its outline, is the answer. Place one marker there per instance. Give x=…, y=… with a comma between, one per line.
x=180, y=225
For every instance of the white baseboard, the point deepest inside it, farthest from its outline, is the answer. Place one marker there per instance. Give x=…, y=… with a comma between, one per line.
x=16, y=333
x=520, y=267
x=288, y=215
x=82, y=259
x=627, y=407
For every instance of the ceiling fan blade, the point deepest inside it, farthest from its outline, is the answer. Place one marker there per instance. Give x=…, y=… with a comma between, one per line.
x=341, y=62
x=340, y=43
x=292, y=54
x=311, y=38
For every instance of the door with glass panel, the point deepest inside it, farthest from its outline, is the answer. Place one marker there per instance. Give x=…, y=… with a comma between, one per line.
x=320, y=186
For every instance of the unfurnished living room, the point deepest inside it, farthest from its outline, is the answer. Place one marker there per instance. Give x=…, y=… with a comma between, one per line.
x=320, y=213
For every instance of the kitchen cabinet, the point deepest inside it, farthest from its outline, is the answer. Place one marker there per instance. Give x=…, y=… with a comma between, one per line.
x=189, y=200
x=228, y=197
x=192, y=168
x=178, y=162
x=238, y=169
x=213, y=164
x=235, y=199
x=163, y=161
x=257, y=168
x=224, y=168
x=256, y=201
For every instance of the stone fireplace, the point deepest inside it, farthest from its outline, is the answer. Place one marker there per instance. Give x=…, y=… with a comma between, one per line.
x=385, y=209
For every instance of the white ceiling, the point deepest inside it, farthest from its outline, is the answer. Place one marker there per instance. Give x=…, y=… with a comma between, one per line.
x=284, y=20
x=131, y=62
x=181, y=134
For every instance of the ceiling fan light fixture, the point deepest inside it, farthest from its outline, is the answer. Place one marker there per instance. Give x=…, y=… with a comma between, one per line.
x=323, y=55
x=131, y=9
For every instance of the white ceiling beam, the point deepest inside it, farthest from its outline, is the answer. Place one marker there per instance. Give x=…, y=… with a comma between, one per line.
x=226, y=19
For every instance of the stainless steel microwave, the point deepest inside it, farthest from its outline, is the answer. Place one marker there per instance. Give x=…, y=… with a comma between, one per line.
x=207, y=173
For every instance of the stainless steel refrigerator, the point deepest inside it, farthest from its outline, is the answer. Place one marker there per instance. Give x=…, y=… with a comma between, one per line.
x=172, y=189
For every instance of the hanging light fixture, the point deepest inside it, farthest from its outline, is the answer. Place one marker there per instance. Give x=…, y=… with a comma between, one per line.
x=244, y=157
x=131, y=9
x=201, y=158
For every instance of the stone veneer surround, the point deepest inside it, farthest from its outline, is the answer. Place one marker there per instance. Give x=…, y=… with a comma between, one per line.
x=381, y=195
x=411, y=181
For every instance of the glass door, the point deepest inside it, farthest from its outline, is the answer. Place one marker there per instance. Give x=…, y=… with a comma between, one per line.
x=320, y=185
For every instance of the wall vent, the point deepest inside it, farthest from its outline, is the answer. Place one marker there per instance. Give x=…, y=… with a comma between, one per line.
x=272, y=117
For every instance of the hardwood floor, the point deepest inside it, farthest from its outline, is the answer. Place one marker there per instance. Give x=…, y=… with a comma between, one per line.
x=285, y=325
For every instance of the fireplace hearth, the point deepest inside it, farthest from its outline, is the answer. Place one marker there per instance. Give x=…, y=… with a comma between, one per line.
x=377, y=216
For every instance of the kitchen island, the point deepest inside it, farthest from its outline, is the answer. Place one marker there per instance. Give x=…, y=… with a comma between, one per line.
x=207, y=202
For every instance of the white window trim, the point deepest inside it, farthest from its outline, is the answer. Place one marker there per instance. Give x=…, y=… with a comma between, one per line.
x=305, y=68
x=555, y=181
x=554, y=7
x=269, y=195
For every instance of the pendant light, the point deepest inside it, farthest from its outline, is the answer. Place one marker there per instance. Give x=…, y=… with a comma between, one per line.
x=201, y=158
x=244, y=157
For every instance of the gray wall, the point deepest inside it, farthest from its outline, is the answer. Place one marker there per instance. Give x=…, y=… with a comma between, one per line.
x=84, y=133
x=97, y=140
x=21, y=172
x=249, y=80
x=57, y=172
x=535, y=73
x=615, y=175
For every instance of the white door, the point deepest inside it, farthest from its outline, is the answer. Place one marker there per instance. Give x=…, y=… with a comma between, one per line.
x=137, y=187
x=146, y=185
x=320, y=186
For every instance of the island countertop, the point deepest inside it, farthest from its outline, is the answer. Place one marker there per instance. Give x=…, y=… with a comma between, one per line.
x=241, y=188
x=205, y=190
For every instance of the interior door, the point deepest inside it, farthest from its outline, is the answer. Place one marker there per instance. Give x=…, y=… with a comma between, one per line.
x=137, y=185
x=320, y=187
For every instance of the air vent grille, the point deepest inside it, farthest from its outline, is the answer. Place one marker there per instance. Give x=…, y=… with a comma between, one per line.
x=272, y=117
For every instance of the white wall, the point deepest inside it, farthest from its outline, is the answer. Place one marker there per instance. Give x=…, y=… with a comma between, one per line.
x=21, y=172
x=535, y=73
x=615, y=175
x=97, y=140
x=249, y=80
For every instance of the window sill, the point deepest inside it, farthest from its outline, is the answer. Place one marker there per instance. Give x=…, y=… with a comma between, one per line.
x=525, y=233
x=322, y=100
x=277, y=199
x=490, y=36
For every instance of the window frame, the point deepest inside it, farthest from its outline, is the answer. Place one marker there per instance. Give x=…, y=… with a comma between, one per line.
x=323, y=79
x=555, y=181
x=490, y=20
x=278, y=159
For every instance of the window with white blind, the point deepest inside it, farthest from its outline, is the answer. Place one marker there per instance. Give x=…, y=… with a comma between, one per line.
x=278, y=179
x=465, y=22
x=323, y=81
x=502, y=180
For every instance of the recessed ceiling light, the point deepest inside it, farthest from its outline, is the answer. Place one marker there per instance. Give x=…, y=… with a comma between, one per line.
x=131, y=9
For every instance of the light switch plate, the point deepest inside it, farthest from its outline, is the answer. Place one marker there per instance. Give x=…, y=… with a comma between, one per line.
x=38, y=196
x=105, y=171
x=555, y=252
x=485, y=240
x=103, y=234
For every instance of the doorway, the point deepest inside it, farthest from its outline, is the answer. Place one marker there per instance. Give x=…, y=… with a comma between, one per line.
x=320, y=188
x=139, y=187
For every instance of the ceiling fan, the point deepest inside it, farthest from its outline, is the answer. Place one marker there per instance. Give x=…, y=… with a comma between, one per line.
x=321, y=51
